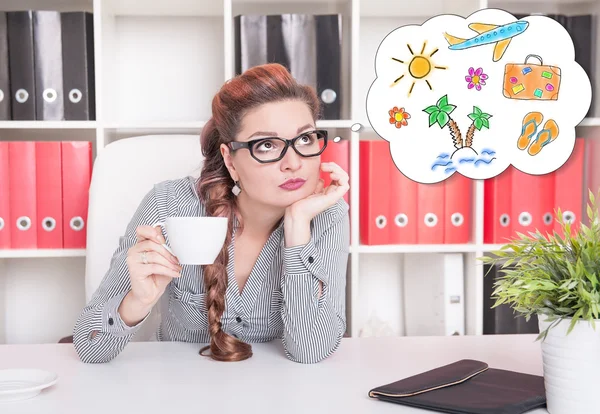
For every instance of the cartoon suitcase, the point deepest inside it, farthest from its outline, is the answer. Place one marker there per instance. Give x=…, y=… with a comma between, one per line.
x=531, y=81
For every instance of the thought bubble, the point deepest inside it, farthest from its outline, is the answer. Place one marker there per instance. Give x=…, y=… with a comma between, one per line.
x=474, y=95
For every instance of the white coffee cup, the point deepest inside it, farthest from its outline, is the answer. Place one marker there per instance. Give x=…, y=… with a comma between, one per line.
x=195, y=240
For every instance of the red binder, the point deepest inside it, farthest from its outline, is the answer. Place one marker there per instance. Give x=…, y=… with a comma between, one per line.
x=339, y=153
x=403, y=207
x=457, y=209
x=430, y=213
x=49, y=195
x=532, y=203
x=4, y=198
x=374, y=195
x=569, y=189
x=22, y=188
x=497, y=208
x=76, y=176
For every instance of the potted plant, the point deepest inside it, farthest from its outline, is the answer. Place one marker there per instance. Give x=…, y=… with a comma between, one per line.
x=557, y=277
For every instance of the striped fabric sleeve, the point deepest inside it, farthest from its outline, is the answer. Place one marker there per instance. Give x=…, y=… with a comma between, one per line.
x=313, y=325
x=100, y=314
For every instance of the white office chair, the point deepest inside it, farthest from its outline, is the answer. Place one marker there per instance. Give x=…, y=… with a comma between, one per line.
x=123, y=173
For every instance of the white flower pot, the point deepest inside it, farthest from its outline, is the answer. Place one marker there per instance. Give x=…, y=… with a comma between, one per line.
x=571, y=367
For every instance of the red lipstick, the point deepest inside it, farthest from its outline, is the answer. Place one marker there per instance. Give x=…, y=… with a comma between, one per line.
x=293, y=184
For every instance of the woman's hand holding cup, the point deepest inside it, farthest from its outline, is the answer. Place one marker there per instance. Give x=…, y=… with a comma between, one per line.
x=151, y=266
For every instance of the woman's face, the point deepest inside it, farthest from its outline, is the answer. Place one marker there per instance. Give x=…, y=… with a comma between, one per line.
x=264, y=183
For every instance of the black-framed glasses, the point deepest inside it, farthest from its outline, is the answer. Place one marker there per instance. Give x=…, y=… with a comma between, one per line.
x=272, y=149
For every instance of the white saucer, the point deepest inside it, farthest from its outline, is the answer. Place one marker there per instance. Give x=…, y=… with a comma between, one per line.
x=21, y=384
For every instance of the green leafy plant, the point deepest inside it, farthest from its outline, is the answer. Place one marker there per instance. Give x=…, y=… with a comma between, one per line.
x=555, y=276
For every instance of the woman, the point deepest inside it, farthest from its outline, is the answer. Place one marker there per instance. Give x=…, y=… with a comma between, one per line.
x=282, y=270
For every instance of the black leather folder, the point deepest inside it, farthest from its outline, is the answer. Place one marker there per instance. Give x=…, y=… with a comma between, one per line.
x=467, y=387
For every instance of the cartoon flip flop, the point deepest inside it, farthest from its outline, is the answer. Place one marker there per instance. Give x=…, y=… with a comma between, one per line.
x=531, y=121
x=544, y=137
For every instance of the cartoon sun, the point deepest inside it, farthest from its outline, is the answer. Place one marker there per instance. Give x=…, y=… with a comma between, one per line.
x=419, y=67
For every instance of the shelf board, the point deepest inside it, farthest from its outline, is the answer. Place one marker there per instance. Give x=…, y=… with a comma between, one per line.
x=491, y=247
x=142, y=126
x=387, y=248
x=385, y=8
x=198, y=125
x=288, y=1
x=58, y=5
x=419, y=248
x=499, y=3
x=430, y=248
x=40, y=253
x=48, y=124
x=191, y=7
x=391, y=248
x=162, y=8
x=334, y=123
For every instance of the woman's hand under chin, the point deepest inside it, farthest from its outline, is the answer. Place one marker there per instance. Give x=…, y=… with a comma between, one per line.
x=322, y=198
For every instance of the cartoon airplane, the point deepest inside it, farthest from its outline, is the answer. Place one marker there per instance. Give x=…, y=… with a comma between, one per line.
x=489, y=33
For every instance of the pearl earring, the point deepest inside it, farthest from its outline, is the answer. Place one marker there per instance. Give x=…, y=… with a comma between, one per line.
x=236, y=190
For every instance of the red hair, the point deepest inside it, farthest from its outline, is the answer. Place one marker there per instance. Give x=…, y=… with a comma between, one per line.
x=258, y=85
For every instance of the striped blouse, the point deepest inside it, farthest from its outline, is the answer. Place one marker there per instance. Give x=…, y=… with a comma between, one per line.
x=280, y=299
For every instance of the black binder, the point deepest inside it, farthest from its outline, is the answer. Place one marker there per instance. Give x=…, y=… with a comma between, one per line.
x=250, y=37
x=5, y=106
x=300, y=37
x=78, y=65
x=329, y=65
x=309, y=46
x=47, y=40
x=502, y=319
x=21, y=63
x=276, y=49
x=467, y=387
x=581, y=29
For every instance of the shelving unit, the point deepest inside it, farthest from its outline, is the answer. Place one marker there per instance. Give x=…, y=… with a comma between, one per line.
x=158, y=65
x=41, y=253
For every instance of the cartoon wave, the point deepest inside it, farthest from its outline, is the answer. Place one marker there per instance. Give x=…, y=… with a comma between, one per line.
x=450, y=165
x=440, y=164
x=484, y=161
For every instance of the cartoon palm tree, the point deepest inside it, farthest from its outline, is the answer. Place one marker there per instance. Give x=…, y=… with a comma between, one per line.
x=479, y=120
x=440, y=114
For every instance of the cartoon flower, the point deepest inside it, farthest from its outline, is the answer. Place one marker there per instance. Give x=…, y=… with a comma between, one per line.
x=398, y=117
x=476, y=78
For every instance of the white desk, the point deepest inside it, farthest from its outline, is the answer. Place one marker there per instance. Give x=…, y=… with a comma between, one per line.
x=156, y=377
